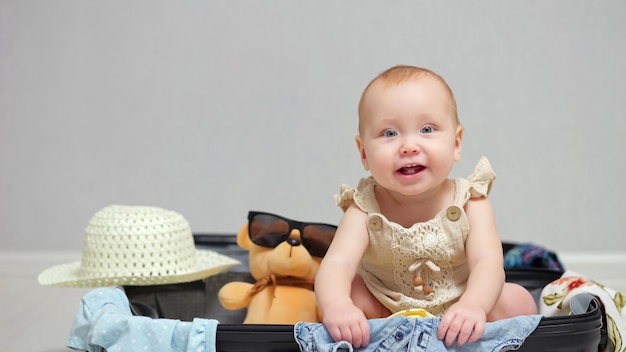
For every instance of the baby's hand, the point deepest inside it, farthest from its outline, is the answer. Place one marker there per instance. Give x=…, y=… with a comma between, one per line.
x=463, y=322
x=346, y=322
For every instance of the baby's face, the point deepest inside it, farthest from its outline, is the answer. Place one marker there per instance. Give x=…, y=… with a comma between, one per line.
x=409, y=136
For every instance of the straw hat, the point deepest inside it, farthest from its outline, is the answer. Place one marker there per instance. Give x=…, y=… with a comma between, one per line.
x=137, y=246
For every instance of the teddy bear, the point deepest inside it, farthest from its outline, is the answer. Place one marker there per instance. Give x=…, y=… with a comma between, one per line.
x=284, y=274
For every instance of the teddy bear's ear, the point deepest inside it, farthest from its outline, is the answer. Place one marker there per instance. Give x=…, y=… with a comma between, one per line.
x=243, y=239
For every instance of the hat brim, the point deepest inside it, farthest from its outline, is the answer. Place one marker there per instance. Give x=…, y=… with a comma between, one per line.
x=208, y=263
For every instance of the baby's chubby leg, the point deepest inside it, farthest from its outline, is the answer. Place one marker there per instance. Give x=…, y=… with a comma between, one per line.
x=365, y=300
x=514, y=300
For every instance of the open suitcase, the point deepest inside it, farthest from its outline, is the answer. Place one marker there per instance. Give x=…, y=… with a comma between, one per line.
x=584, y=330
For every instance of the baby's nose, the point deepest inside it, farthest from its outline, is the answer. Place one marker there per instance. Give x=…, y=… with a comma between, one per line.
x=409, y=149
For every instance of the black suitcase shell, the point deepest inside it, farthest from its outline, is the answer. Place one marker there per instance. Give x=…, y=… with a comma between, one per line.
x=584, y=331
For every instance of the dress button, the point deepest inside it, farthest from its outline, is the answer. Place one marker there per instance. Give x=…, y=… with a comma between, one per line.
x=375, y=222
x=453, y=213
x=399, y=335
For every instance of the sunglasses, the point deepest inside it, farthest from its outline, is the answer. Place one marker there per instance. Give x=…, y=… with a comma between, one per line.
x=270, y=230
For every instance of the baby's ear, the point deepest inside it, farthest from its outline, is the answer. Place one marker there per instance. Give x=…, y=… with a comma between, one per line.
x=457, y=143
x=361, y=148
x=243, y=238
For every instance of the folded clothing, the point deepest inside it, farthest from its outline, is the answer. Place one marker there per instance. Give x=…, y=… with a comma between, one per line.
x=104, y=322
x=557, y=298
x=402, y=333
x=530, y=256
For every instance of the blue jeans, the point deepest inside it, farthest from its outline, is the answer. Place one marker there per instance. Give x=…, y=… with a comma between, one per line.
x=418, y=334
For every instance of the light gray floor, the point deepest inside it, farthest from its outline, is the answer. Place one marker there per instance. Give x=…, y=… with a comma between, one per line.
x=35, y=318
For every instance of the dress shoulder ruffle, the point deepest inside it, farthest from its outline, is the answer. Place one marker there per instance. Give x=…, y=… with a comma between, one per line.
x=358, y=196
x=481, y=179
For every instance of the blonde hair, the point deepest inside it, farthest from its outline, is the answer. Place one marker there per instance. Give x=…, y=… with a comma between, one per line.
x=403, y=73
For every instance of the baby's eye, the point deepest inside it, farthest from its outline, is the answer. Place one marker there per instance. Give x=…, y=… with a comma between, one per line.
x=390, y=133
x=427, y=129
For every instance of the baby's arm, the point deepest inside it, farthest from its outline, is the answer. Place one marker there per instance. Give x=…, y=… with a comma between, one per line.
x=343, y=320
x=465, y=320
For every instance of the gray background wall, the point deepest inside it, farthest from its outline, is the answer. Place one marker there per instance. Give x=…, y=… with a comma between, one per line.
x=213, y=108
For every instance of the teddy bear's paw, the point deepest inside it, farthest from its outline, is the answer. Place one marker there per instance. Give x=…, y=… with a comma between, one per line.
x=235, y=295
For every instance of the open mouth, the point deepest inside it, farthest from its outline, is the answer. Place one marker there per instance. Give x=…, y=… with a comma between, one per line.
x=411, y=169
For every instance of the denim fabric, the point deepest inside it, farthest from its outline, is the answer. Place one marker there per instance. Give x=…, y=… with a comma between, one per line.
x=418, y=334
x=104, y=322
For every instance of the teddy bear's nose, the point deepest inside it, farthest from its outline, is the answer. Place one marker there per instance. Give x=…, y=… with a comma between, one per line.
x=293, y=242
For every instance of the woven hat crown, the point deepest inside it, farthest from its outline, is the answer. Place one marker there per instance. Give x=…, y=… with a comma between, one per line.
x=137, y=245
x=137, y=241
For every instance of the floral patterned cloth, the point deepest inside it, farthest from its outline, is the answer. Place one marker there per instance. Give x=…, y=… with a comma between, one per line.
x=556, y=298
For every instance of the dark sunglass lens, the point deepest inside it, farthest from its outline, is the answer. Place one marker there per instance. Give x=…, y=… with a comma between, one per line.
x=317, y=238
x=267, y=230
